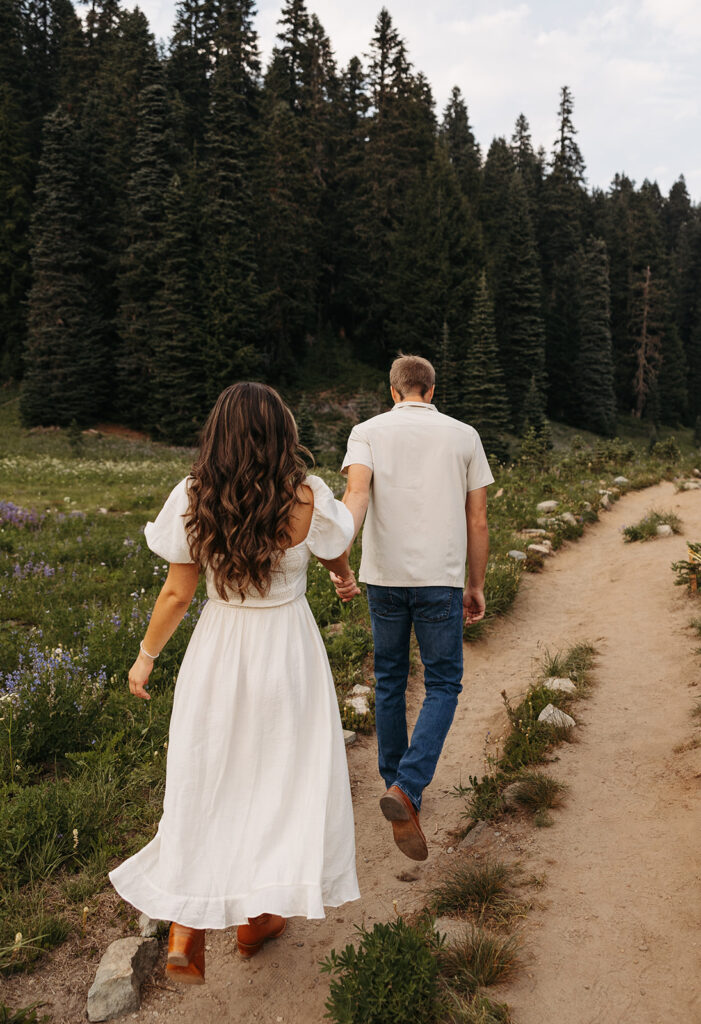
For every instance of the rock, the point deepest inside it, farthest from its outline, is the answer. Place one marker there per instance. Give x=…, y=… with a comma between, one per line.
x=148, y=926
x=479, y=834
x=697, y=472
x=547, y=506
x=359, y=704
x=605, y=491
x=520, y=556
x=605, y=502
x=689, y=485
x=348, y=737
x=554, y=716
x=534, y=533
x=621, y=481
x=557, y=683
x=335, y=628
x=540, y=549
x=116, y=989
x=664, y=530
x=586, y=506
x=568, y=517
x=452, y=929
x=359, y=690
x=510, y=796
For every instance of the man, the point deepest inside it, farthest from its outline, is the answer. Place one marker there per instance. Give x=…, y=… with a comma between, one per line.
x=422, y=479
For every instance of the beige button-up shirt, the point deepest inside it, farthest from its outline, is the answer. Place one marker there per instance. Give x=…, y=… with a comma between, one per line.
x=423, y=464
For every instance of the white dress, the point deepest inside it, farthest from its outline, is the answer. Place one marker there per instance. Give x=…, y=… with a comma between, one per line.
x=257, y=813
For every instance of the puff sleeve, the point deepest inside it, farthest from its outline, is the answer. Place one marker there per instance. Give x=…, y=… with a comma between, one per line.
x=167, y=537
x=332, y=526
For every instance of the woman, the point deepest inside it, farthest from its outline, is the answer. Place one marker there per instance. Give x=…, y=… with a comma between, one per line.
x=257, y=819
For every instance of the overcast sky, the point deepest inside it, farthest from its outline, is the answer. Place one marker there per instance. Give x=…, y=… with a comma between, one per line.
x=634, y=68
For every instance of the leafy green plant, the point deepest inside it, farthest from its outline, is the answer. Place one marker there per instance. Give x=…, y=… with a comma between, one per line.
x=28, y=1015
x=688, y=571
x=391, y=976
x=646, y=528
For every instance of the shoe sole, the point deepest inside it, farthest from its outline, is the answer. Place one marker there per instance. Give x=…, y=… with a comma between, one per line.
x=248, y=950
x=407, y=834
x=180, y=974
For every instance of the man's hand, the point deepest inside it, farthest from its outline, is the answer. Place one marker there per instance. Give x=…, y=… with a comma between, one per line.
x=345, y=586
x=473, y=605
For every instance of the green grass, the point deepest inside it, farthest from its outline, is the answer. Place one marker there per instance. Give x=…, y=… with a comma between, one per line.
x=476, y=1009
x=646, y=528
x=478, y=959
x=481, y=890
x=28, y=1015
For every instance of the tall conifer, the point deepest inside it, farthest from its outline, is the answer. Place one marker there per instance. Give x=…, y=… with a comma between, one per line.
x=486, y=405
x=594, y=371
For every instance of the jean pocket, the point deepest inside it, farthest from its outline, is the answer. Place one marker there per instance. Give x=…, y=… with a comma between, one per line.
x=433, y=604
x=381, y=600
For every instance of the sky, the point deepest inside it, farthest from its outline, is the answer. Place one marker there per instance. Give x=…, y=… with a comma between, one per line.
x=634, y=68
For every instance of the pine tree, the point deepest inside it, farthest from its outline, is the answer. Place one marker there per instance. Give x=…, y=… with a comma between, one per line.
x=179, y=397
x=433, y=266
x=189, y=69
x=463, y=149
x=138, y=279
x=229, y=282
x=486, y=406
x=449, y=384
x=15, y=206
x=561, y=237
x=305, y=426
x=518, y=298
x=646, y=328
x=527, y=163
x=672, y=380
x=64, y=365
x=595, y=373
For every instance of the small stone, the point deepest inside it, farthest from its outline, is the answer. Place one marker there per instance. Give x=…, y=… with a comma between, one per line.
x=621, y=481
x=358, y=704
x=102, y=511
x=510, y=796
x=476, y=835
x=586, y=506
x=697, y=472
x=451, y=929
x=540, y=532
x=116, y=989
x=557, y=683
x=540, y=549
x=451, y=849
x=569, y=518
x=348, y=737
x=664, y=530
x=554, y=716
x=605, y=502
x=335, y=628
x=547, y=506
x=520, y=556
x=359, y=690
x=148, y=926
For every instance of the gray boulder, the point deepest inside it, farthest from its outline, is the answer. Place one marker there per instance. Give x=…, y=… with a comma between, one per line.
x=116, y=989
x=348, y=737
x=547, y=506
x=664, y=530
x=520, y=556
x=568, y=517
x=543, y=549
x=557, y=683
x=621, y=481
x=481, y=833
x=554, y=716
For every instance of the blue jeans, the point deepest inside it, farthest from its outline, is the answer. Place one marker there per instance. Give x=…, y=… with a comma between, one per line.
x=436, y=613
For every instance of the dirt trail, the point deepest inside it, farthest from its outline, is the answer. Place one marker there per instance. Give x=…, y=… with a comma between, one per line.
x=615, y=935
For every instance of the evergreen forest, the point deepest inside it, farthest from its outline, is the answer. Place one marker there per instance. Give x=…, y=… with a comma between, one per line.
x=174, y=219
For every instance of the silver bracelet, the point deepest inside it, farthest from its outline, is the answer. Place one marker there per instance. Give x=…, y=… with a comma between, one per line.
x=144, y=651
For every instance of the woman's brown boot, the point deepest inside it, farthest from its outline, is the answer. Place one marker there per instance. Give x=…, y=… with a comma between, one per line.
x=250, y=937
x=185, y=955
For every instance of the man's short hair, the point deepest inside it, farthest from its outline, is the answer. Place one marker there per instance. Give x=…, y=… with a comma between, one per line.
x=410, y=374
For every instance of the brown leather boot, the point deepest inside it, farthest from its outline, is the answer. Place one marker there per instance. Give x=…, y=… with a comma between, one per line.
x=250, y=937
x=185, y=955
x=408, y=835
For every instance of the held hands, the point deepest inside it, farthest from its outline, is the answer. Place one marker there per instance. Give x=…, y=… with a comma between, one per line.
x=345, y=586
x=473, y=604
x=138, y=676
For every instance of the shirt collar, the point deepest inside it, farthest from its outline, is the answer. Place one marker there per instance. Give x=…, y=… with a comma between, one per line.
x=418, y=405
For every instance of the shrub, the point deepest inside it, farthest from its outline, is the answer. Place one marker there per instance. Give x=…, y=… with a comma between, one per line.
x=646, y=528
x=391, y=976
x=667, y=451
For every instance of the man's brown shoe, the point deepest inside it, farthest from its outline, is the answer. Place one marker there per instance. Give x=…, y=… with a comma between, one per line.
x=250, y=937
x=398, y=808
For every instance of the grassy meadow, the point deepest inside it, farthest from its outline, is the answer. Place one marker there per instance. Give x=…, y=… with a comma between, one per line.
x=81, y=761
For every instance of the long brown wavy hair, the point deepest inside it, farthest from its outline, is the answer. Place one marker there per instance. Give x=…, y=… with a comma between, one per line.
x=243, y=487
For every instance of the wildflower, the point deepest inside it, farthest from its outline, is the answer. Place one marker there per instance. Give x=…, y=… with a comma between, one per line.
x=75, y=838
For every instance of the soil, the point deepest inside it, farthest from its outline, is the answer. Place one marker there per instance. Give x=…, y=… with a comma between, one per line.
x=613, y=934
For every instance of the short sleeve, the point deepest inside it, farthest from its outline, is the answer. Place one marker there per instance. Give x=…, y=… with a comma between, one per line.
x=332, y=526
x=358, y=450
x=478, y=472
x=167, y=537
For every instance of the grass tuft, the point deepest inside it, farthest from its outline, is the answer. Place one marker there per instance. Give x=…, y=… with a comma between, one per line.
x=477, y=1009
x=478, y=959
x=575, y=663
x=480, y=889
x=646, y=528
x=538, y=791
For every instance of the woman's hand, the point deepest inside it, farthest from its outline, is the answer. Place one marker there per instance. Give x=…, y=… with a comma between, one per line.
x=138, y=676
x=345, y=586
